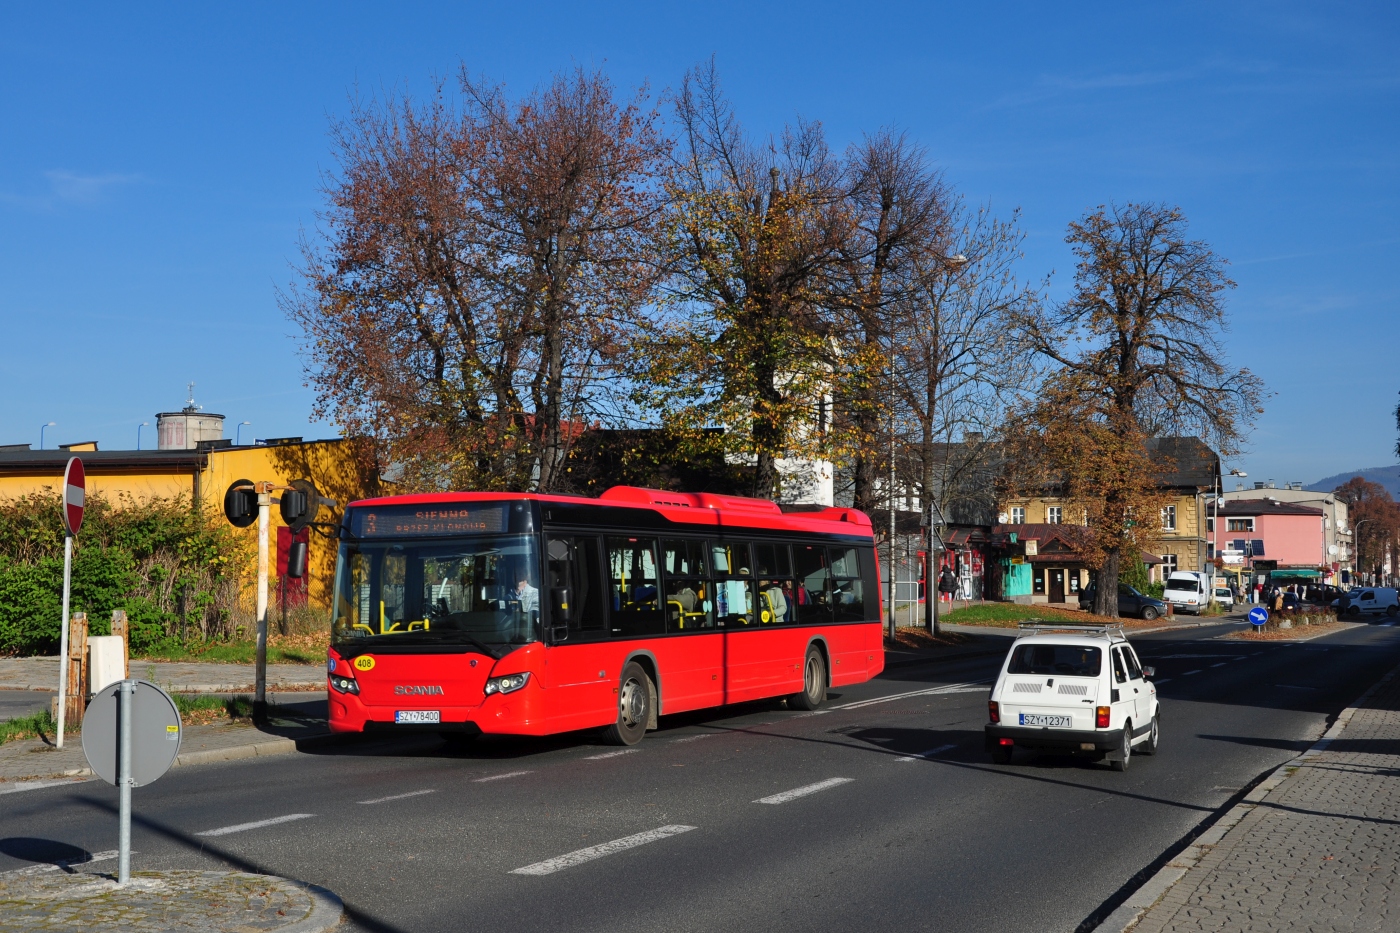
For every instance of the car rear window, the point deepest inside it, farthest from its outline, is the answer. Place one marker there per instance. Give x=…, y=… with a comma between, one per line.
x=1068, y=660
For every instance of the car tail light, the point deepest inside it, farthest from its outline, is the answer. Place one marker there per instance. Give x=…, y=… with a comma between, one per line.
x=994, y=710
x=1101, y=717
x=1006, y=742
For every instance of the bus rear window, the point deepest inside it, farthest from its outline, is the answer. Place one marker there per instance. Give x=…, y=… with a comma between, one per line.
x=1065, y=660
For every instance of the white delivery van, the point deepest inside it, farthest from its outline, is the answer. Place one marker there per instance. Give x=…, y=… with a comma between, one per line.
x=1188, y=591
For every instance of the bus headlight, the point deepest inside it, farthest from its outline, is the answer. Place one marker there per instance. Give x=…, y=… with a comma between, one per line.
x=342, y=684
x=508, y=683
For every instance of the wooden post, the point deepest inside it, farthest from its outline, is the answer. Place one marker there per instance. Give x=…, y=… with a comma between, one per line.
x=120, y=627
x=75, y=697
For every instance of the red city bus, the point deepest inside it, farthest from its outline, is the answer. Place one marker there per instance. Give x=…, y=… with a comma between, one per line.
x=471, y=613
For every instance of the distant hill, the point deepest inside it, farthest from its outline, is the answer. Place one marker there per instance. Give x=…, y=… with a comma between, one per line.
x=1387, y=476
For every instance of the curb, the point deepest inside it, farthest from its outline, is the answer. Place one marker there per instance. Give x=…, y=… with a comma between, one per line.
x=325, y=914
x=1127, y=915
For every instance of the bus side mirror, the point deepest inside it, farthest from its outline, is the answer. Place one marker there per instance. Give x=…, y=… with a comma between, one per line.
x=561, y=604
x=296, y=559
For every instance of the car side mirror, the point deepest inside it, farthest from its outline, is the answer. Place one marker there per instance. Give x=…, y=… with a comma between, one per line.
x=1148, y=673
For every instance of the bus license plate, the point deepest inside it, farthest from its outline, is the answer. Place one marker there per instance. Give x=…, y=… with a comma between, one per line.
x=1040, y=719
x=417, y=716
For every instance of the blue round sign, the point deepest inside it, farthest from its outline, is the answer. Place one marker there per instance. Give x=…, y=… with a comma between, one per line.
x=1258, y=615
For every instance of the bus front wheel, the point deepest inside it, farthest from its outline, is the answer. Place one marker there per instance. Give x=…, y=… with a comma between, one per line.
x=634, y=699
x=813, y=693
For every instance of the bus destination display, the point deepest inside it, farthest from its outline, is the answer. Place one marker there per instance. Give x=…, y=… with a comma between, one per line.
x=412, y=521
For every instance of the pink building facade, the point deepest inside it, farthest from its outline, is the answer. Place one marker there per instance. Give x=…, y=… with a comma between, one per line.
x=1272, y=534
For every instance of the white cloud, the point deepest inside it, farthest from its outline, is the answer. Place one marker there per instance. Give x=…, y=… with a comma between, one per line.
x=77, y=188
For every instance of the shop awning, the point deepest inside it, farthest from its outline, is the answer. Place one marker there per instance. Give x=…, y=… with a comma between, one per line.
x=1301, y=573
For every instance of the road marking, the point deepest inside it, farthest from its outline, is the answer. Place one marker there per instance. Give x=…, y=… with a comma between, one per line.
x=1162, y=680
x=951, y=688
x=796, y=792
x=928, y=754
x=692, y=738
x=65, y=864
x=1221, y=664
x=500, y=777
x=1293, y=687
x=412, y=793
x=20, y=786
x=549, y=866
x=625, y=751
x=243, y=827
x=1189, y=673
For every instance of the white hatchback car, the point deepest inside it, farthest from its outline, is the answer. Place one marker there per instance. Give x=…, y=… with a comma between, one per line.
x=1074, y=688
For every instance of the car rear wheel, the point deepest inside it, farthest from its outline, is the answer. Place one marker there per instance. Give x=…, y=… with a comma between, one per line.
x=1126, y=752
x=1392, y=611
x=1149, y=613
x=1150, y=746
x=813, y=693
x=1353, y=611
x=634, y=700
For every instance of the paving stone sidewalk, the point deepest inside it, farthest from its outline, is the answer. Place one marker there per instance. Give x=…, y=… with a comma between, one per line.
x=178, y=676
x=1318, y=851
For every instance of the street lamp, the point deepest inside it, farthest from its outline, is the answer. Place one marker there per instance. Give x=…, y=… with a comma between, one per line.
x=1356, y=537
x=144, y=424
x=41, y=432
x=238, y=434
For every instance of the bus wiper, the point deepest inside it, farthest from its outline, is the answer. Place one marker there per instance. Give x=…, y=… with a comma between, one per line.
x=476, y=644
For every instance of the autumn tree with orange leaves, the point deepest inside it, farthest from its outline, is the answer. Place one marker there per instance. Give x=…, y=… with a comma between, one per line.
x=477, y=264
x=1137, y=354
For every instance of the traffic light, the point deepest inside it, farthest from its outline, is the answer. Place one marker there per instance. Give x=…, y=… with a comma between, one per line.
x=241, y=503
x=299, y=504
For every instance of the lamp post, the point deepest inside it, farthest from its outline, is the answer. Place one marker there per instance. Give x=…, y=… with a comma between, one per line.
x=144, y=424
x=238, y=434
x=42, y=427
x=1356, y=536
x=1215, y=521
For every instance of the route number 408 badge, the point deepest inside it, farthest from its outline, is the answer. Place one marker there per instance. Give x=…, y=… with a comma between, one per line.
x=364, y=663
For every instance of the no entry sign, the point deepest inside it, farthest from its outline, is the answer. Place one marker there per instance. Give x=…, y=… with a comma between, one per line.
x=74, y=493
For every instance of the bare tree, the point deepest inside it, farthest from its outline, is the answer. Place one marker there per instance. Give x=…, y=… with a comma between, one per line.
x=476, y=264
x=1138, y=352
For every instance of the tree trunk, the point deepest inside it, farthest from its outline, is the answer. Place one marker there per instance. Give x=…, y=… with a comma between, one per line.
x=1106, y=596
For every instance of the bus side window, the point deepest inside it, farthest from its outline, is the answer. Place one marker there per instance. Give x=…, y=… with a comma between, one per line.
x=872, y=588
x=848, y=591
x=634, y=588
x=573, y=562
x=813, y=584
x=776, y=593
x=688, y=606
x=733, y=576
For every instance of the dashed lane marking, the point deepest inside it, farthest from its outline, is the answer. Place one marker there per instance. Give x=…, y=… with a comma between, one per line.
x=412, y=793
x=1221, y=664
x=691, y=738
x=796, y=792
x=1189, y=673
x=922, y=756
x=20, y=786
x=1162, y=680
x=558, y=863
x=244, y=827
x=500, y=777
x=625, y=751
x=968, y=687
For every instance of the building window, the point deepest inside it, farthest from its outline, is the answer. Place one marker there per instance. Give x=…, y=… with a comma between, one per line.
x=1053, y=514
x=1210, y=524
x=1239, y=524
x=1168, y=565
x=1038, y=576
x=1018, y=515
x=1169, y=518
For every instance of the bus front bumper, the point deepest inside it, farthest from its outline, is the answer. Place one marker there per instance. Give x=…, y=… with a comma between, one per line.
x=512, y=714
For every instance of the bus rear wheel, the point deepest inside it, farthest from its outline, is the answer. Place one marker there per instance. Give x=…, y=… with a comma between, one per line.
x=813, y=693
x=634, y=700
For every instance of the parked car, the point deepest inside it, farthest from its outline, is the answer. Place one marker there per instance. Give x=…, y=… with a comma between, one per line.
x=1369, y=599
x=1224, y=597
x=1073, y=688
x=1130, y=602
x=1188, y=591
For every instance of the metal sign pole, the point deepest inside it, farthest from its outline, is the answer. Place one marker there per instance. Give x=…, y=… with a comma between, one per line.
x=125, y=708
x=63, y=639
x=260, y=696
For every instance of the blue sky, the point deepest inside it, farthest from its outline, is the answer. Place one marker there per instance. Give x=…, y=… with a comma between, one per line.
x=156, y=168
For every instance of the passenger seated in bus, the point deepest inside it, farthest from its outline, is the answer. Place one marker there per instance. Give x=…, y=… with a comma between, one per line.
x=776, y=607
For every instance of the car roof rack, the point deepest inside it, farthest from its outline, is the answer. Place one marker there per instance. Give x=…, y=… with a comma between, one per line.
x=1044, y=627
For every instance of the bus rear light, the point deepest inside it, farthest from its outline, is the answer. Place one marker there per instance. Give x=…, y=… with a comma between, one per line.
x=342, y=684
x=994, y=710
x=1101, y=717
x=506, y=684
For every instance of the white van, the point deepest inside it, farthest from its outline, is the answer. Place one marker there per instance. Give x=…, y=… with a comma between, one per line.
x=1188, y=591
x=1073, y=688
x=1373, y=599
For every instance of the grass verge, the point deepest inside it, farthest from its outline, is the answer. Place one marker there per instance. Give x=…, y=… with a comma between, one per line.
x=33, y=726
x=1009, y=615
x=281, y=649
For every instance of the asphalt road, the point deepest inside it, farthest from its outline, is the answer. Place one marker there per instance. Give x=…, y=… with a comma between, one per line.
x=901, y=819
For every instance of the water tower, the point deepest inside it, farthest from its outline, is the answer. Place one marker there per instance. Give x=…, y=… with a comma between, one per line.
x=184, y=429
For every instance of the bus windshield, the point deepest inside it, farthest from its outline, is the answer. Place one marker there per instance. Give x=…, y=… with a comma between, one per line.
x=481, y=591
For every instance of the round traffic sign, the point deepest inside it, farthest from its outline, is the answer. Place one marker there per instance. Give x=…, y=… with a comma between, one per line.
x=155, y=732
x=74, y=492
x=1258, y=615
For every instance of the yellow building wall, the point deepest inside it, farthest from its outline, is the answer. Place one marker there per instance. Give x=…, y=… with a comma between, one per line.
x=330, y=465
x=1186, y=542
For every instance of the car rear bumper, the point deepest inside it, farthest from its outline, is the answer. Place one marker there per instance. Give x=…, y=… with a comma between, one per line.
x=1102, y=740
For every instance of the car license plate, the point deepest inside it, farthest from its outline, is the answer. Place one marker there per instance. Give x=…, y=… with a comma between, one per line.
x=1041, y=719
x=417, y=715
